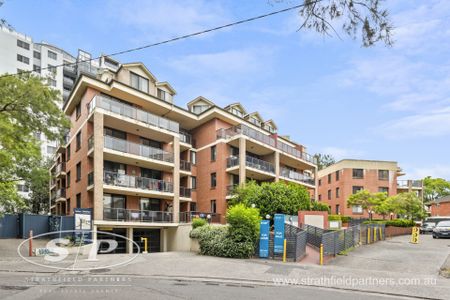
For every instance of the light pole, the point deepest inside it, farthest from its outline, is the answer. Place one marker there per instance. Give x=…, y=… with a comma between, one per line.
x=208, y=216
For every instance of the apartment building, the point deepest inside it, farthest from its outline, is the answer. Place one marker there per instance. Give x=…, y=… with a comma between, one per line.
x=145, y=165
x=337, y=182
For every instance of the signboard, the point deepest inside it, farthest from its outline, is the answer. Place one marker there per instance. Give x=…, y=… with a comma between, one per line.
x=264, y=231
x=279, y=234
x=83, y=218
x=415, y=235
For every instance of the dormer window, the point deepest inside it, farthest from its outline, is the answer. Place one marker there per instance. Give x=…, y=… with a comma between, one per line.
x=269, y=128
x=237, y=112
x=198, y=109
x=139, y=82
x=162, y=95
x=255, y=121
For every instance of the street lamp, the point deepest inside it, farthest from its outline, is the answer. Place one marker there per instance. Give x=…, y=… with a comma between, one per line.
x=370, y=214
x=253, y=205
x=267, y=217
x=392, y=215
x=208, y=216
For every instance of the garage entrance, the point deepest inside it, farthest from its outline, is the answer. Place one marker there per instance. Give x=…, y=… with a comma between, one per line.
x=121, y=241
x=153, y=239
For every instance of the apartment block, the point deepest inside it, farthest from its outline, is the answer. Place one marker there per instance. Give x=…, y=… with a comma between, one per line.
x=339, y=181
x=145, y=165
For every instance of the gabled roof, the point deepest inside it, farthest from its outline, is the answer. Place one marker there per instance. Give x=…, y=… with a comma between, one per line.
x=141, y=66
x=167, y=85
x=198, y=99
x=247, y=116
x=442, y=200
x=236, y=104
x=272, y=123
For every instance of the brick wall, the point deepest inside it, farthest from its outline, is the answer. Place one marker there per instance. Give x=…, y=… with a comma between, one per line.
x=442, y=210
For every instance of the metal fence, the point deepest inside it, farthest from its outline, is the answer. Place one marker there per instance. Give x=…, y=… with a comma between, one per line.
x=19, y=226
x=295, y=244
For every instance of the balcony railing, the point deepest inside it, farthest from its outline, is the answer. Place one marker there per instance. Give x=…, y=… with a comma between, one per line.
x=185, y=165
x=185, y=137
x=251, y=162
x=136, y=182
x=134, y=215
x=115, y=106
x=185, y=192
x=91, y=142
x=60, y=193
x=137, y=149
x=247, y=131
x=284, y=172
x=61, y=167
x=230, y=189
x=408, y=183
x=188, y=216
x=268, y=140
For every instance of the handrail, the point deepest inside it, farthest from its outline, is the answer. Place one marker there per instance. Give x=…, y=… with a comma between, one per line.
x=123, y=180
x=136, y=215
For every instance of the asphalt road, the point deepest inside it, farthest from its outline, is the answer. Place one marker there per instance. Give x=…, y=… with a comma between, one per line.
x=13, y=287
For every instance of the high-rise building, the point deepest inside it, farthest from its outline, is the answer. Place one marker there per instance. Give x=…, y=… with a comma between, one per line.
x=145, y=165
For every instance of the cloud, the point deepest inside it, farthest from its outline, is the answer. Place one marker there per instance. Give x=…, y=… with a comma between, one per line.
x=342, y=153
x=440, y=171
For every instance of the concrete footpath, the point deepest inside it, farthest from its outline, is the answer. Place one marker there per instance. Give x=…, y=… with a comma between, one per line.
x=392, y=267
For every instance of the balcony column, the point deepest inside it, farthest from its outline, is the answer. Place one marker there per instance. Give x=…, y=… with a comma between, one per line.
x=277, y=166
x=242, y=155
x=163, y=239
x=176, y=179
x=98, y=166
x=316, y=184
x=130, y=240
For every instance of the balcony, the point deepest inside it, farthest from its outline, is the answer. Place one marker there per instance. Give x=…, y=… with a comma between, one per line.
x=185, y=192
x=60, y=194
x=132, y=215
x=112, y=105
x=90, y=178
x=137, y=149
x=231, y=188
x=252, y=162
x=295, y=152
x=60, y=169
x=188, y=216
x=293, y=175
x=405, y=184
x=185, y=137
x=136, y=182
x=185, y=166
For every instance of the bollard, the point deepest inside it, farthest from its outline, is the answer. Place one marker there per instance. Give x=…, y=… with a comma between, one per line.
x=368, y=235
x=321, y=255
x=381, y=234
x=374, y=234
x=30, y=243
x=145, y=244
x=284, y=250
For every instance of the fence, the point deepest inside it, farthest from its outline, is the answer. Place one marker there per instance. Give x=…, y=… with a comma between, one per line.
x=295, y=244
x=337, y=241
x=19, y=226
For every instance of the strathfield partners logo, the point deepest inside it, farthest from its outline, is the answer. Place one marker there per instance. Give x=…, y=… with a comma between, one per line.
x=76, y=250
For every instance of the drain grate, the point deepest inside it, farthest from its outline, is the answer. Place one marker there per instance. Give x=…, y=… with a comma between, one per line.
x=99, y=271
x=14, y=287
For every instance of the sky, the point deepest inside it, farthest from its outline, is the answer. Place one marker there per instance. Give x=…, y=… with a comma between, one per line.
x=327, y=93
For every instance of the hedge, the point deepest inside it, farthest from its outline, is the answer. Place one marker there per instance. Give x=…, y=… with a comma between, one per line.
x=198, y=222
x=396, y=222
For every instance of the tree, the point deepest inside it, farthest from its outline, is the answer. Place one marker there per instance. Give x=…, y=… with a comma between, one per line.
x=366, y=18
x=27, y=106
x=408, y=205
x=383, y=204
x=38, y=183
x=324, y=160
x=273, y=197
x=435, y=188
x=363, y=198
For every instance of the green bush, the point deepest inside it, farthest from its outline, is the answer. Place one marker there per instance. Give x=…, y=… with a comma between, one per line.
x=236, y=240
x=318, y=206
x=198, y=222
x=346, y=219
x=401, y=223
x=334, y=218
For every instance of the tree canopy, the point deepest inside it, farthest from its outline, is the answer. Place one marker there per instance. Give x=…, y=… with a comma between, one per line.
x=324, y=160
x=273, y=197
x=27, y=107
x=435, y=188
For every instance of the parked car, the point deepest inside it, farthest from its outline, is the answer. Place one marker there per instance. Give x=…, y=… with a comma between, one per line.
x=427, y=227
x=442, y=229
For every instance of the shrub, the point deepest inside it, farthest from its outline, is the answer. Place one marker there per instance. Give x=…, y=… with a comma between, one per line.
x=244, y=223
x=400, y=223
x=317, y=206
x=334, y=218
x=198, y=222
x=346, y=219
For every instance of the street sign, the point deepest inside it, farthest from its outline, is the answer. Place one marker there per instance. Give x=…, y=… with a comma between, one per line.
x=415, y=235
x=264, y=231
x=279, y=234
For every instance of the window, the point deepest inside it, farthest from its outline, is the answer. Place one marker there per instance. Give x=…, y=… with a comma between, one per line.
x=51, y=82
x=51, y=149
x=78, y=141
x=197, y=109
x=23, y=44
x=68, y=206
x=337, y=175
x=320, y=197
x=213, y=180
x=356, y=189
x=162, y=95
x=255, y=121
x=68, y=152
x=78, y=110
x=36, y=68
x=338, y=209
x=383, y=189
x=79, y=171
x=139, y=82
x=329, y=194
x=23, y=59
x=115, y=133
x=22, y=188
x=320, y=182
x=213, y=153
x=236, y=112
x=52, y=55
x=68, y=179
x=150, y=204
x=329, y=178
x=357, y=209
x=383, y=174
x=193, y=157
x=213, y=206
x=37, y=55
x=193, y=206
x=51, y=68
x=193, y=182
x=78, y=200
x=234, y=151
x=358, y=173
x=337, y=192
